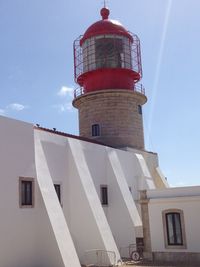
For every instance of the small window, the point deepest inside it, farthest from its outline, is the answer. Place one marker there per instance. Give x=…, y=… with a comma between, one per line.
x=95, y=130
x=58, y=191
x=140, y=109
x=130, y=189
x=174, y=232
x=174, y=229
x=104, y=195
x=26, y=190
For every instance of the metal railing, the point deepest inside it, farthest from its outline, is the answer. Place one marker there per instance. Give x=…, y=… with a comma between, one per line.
x=78, y=92
x=137, y=88
x=92, y=56
x=100, y=258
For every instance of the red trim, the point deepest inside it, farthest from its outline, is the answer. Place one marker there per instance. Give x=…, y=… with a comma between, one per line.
x=101, y=79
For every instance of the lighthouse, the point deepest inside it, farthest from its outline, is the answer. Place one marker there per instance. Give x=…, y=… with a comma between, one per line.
x=107, y=68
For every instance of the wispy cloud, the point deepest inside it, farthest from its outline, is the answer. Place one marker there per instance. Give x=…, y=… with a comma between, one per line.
x=13, y=107
x=16, y=107
x=63, y=107
x=2, y=111
x=65, y=91
x=158, y=67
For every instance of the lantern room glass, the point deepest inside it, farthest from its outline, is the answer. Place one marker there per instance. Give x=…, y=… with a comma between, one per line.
x=107, y=51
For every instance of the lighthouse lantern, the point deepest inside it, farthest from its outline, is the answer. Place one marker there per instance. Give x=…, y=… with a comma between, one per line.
x=107, y=50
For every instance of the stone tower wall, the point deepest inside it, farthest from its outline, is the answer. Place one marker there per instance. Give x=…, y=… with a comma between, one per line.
x=116, y=111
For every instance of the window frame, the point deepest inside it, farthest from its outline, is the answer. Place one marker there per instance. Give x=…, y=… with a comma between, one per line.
x=27, y=179
x=166, y=230
x=98, y=130
x=103, y=202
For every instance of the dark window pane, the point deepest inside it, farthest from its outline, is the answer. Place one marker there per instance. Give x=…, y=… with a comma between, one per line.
x=177, y=222
x=95, y=130
x=174, y=232
x=104, y=195
x=26, y=193
x=140, y=109
x=23, y=201
x=171, y=239
x=58, y=191
x=29, y=193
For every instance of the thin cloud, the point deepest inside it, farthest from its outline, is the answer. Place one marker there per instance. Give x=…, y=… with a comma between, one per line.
x=65, y=91
x=2, y=111
x=63, y=107
x=16, y=107
x=158, y=67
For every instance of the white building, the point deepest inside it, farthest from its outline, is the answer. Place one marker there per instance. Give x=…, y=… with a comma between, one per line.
x=71, y=200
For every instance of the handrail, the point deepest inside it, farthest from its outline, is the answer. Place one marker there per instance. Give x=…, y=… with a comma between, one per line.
x=137, y=88
x=78, y=92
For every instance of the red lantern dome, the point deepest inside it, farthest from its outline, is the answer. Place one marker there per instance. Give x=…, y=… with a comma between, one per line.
x=107, y=56
x=105, y=26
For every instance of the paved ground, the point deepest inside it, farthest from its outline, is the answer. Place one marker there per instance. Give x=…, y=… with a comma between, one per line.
x=156, y=265
x=159, y=265
x=129, y=264
x=151, y=264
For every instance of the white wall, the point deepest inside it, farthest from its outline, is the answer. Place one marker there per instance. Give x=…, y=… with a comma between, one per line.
x=26, y=239
x=32, y=226
x=76, y=207
x=79, y=210
x=54, y=210
x=152, y=163
x=17, y=225
x=117, y=212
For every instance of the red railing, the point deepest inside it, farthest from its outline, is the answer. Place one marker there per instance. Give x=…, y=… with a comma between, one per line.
x=137, y=88
x=86, y=58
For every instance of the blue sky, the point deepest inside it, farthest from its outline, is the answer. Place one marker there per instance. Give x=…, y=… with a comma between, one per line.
x=36, y=70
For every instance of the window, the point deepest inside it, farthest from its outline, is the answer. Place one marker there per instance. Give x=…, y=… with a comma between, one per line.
x=104, y=195
x=174, y=229
x=95, y=130
x=26, y=191
x=174, y=232
x=58, y=191
x=109, y=52
x=140, y=109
